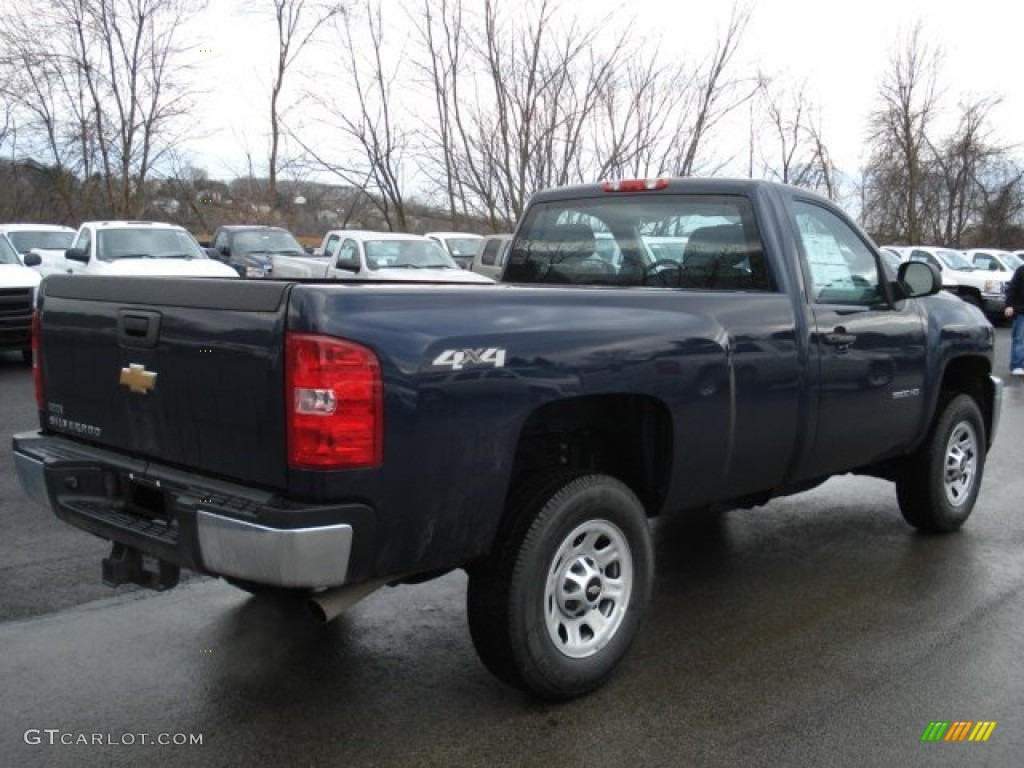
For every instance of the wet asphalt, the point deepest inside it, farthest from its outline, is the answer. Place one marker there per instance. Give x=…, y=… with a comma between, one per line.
x=819, y=630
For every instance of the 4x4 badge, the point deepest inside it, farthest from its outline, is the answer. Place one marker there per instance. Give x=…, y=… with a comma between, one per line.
x=137, y=378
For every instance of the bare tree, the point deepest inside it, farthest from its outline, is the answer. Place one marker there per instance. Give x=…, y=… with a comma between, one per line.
x=715, y=95
x=103, y=86
x=368, y=115
x=296, y=24
x=794, y=150
x=899, y=128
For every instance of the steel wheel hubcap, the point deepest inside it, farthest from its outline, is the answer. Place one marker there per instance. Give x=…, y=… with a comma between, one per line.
x=588, y=588
x=961, y=464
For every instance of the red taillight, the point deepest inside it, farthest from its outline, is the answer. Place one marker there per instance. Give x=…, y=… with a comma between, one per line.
x=37, y=359
x=634, y=185
x=334, y=402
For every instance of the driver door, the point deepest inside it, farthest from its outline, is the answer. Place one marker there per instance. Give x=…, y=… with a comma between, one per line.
x=868, y=353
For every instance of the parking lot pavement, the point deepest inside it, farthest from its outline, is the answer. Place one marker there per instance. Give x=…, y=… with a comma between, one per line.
x=779, y=637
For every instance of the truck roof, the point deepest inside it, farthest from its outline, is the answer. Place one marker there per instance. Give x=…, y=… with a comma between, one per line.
x=690, y=185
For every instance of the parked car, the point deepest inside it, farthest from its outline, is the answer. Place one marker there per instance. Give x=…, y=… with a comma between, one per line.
x=995, y=260
x=141, y=248
x=247, y=248
x=973, y=285
x=894, y=255
x=356, y=254
x=461, y=245
x=18, y=286
x=490, y=256
x=49, y=241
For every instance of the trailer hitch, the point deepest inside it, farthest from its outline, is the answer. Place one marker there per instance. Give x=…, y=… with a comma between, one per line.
x=125, y=565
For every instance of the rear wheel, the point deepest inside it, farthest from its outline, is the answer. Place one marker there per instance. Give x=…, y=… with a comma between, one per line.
x=556, y=606
x=939, y=486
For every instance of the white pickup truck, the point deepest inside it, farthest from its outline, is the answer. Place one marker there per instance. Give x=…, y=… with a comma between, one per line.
x=353, y=254
x=18, y=286
x=140, y=248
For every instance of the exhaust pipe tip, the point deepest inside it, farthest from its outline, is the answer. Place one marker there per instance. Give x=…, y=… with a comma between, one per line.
x=327, y=605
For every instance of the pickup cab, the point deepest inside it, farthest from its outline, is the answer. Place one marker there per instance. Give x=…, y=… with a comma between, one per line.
x=352, y=254
x=322, y=439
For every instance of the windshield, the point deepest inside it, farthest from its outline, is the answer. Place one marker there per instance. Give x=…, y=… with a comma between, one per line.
x=681, y=241
x=463, y=246
x=147, y=243
x=1012, y=260
x=27, y=240
x=955, y=260
x=266, y=241
x=406, y=254
x=7, y=254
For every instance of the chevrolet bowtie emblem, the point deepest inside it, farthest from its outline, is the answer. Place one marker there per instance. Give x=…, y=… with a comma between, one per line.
x=137, y=378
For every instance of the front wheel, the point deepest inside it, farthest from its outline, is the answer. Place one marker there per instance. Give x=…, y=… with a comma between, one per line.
x=556, y=606
x=939, y=486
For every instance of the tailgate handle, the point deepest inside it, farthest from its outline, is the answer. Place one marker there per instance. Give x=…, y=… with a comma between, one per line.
x=138, y=328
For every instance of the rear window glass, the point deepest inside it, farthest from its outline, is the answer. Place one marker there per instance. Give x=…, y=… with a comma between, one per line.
x=697, y=242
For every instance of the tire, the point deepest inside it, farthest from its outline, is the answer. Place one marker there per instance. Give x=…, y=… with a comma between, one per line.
x=557, y=604
x=939, y=486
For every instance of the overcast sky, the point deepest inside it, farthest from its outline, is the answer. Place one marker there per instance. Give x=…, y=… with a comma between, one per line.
x=840, y=49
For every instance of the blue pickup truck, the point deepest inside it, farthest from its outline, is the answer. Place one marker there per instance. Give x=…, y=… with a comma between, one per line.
x=655, y=346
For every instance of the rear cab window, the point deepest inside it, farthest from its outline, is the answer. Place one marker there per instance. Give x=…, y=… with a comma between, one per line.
x=662, y=240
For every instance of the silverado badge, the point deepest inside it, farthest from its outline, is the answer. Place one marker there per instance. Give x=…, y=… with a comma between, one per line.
x=138, y=379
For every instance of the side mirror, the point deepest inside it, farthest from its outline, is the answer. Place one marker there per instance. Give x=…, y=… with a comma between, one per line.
x=33, y=259
x=347, y=265
x=224, y=251
x=77, y=254
x=918, y=279
x=214, y=253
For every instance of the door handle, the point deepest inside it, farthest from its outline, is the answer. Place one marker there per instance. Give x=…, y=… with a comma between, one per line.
x=840, y=338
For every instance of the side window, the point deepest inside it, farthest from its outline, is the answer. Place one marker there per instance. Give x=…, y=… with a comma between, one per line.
x=331, y=247
x=348, y=256
x=842, y=268
x=84, y=241
x=488, y=255
x=221, y=241
x=917, y=255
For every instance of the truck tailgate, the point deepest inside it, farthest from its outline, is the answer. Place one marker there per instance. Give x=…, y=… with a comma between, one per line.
x=186, y=371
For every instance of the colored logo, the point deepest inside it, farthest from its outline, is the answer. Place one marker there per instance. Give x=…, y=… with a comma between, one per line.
x=138, y=379
x=958, y=730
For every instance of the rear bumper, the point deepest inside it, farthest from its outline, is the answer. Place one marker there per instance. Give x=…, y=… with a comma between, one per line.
x=193, y=521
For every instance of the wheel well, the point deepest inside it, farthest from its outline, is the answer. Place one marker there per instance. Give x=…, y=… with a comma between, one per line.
x=970, y=375
x=626, y=436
